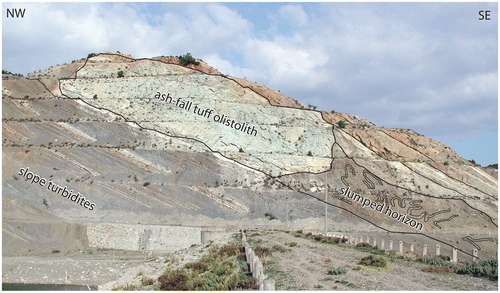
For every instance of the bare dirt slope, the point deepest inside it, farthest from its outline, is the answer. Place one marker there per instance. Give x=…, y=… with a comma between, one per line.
x=305, y=267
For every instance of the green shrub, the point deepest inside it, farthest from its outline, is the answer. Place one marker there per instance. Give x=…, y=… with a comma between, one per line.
x=310, y=154
x=341, y=124
x=279, y=248
x=292, y=244
x=411, y=256
x=176, y=280
x=484, y=268
x=120, y=73
x=337, y=271
x=364, y=244
x=262, y=251
x=439, y=270
x=317, y=237
x=229, y=249
x=145, y=281
x=216, y=271
x=271, y=216
x=188, y=59
x=434, y=261
x=245, y=284
x=196, y=266
x=333, y=240
x=374, y=261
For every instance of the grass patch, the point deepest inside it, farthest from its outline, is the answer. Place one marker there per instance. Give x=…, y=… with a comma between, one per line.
x=377, y=261
x=292, y=244
x=439, y=270
x=128, y=287
x=345, y=283
x=337, y=271
x=279, y=276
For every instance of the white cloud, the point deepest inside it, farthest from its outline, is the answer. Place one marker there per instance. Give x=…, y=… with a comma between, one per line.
x=293, y=14
x=65, y=31
x=425, y=66
x=225, y=67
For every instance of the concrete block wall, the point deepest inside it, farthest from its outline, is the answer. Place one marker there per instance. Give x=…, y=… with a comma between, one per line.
x=212, y=235
x=142, y=237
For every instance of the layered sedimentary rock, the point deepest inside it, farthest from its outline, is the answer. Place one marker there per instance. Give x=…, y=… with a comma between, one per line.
x=153, y=142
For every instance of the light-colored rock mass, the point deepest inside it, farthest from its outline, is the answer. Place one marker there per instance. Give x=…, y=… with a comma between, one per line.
x=167, y=144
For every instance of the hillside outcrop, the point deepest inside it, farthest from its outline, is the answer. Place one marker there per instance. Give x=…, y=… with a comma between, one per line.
x=153, y=142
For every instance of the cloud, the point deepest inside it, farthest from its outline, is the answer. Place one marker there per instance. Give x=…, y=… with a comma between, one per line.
x=61, y=32
x=293, y=14
x=427, y=66
x=283, y=63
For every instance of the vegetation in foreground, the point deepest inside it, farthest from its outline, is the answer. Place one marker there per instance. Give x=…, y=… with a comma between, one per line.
x=219, y=270
x=487, y=268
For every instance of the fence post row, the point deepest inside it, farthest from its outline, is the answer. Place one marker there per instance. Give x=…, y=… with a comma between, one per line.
x=265, y=283
x=269, y=284
x=425, y=251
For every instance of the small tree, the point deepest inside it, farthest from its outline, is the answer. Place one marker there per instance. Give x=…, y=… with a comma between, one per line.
x=341, y=124
x=311, y=107
x=310, y=154
x=120, y=73
x=95, y=96
x=188, y=59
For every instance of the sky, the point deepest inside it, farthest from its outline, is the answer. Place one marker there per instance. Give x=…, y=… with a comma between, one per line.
x=429, y=67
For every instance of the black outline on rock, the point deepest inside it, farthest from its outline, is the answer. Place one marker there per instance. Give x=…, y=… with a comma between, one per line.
x=260, y=171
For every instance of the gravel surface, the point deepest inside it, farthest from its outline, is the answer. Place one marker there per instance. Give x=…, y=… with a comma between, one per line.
x=107, y=269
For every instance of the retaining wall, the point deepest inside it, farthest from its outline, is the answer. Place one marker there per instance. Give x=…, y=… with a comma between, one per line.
x=143, y=237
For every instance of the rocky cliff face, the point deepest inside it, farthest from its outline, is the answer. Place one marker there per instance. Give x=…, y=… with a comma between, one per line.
x=151, y=141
